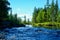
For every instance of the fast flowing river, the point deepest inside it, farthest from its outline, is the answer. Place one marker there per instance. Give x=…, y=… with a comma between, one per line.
x=29, y=33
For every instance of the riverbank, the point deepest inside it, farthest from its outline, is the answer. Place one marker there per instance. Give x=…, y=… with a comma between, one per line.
x=50, y=25
x=9, y=24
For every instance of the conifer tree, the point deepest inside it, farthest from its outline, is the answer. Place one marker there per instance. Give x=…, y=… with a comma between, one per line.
x=52, y=11
x=35, y=14
x=4, y=9
x=56, y=10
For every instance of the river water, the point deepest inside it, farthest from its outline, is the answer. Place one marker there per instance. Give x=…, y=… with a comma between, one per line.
x=29, y=33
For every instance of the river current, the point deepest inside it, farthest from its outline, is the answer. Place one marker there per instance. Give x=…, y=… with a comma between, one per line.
x=29, y=33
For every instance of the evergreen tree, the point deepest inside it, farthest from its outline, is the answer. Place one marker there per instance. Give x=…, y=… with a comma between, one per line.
x=10, y=15
x=45, y=14
x=24, y=20
x=52, y=11
x=15, y=17
x=56, y=10
x=40, y=17
x=58, y=17
x=19, y=20
x=35, y=14
x=28, y=22
x=4, y=9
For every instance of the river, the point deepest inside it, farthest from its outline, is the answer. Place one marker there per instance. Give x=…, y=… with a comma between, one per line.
x=29, y=33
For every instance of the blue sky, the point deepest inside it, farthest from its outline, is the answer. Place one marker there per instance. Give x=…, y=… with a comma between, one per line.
x=26, y=7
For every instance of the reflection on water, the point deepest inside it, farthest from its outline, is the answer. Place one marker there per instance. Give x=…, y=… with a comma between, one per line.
x=30, y=33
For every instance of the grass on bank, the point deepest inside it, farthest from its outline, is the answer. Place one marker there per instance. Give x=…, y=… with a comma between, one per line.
x=50, y=25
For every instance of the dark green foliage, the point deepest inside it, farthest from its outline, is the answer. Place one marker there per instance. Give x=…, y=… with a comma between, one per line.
x=4, y=9
x=35, y=14
x=7, y=20
x=45, y=14
x=24, y=22
x=50, y=13
x=28, y=22
x=14, y=19
x=56, y=11
x=40, y=17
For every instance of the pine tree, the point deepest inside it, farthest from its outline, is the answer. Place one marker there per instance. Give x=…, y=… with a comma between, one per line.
x=11, y=16
x=28, y=22
x=52, y=11
x=4, y=9
x=24, y=20
x=47, y=10
x=45, y=14
x=16, y=16
x=56, y=10
x=35, y=14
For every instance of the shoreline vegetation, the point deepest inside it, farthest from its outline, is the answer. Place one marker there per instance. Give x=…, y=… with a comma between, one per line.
x=48, y=17
x=49, y=25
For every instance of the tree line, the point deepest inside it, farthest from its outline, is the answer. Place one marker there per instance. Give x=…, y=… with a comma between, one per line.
x=50, y=13
x=7, y=19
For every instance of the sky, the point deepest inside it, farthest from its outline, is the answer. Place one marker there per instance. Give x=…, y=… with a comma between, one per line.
x=26, y=7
